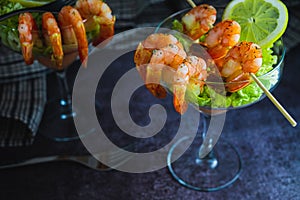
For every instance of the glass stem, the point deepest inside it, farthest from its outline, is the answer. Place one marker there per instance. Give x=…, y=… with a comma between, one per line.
x=210, y=160
x=65, y=97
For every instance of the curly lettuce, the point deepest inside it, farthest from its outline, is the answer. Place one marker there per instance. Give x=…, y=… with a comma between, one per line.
x=7, y=6
x=177, y=25
x=8, y=34
x=247, y=95
x=268, y=61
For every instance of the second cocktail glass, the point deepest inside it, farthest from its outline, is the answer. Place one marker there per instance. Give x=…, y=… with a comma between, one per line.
x=208, y=165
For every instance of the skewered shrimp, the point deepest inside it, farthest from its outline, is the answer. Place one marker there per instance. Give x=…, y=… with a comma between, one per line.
x=192, y=70
x=163, y=52
x=199, y=20
x=53, y=37
x=28, y=33
x=240, y=61
x=155, y=52
x=101, y=13
x=70, y=16
x=221, y=38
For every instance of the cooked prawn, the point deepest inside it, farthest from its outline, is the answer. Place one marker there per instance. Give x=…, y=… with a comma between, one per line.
x=193, y=70
x=27, y=33
x=240, y=61
x=53, y=37
x=70, y=16
x=100, y=12
x=165, y=58
x=67, y=31
x=221, y=38
x=153, y=54
x=199, y=20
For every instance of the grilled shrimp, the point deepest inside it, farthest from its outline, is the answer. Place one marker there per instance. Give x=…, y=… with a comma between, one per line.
x=100, y=12
x=199, y=20
x=156, y=52
x=192, y=70
x=164, y=53
x=240, y=61
x=28, y=33
x=69, y=16
x=221, y=38
x=52, y=36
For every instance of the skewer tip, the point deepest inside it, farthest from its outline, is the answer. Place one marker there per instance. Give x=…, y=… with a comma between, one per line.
x=192, y=4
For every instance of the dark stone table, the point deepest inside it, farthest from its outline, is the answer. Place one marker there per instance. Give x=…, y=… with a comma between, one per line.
x=267, y=143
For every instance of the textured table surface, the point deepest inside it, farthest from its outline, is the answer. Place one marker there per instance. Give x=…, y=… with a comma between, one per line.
x=268, y=145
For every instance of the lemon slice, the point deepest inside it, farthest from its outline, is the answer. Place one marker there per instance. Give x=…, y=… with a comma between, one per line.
x=262, y=21
x=32, y=3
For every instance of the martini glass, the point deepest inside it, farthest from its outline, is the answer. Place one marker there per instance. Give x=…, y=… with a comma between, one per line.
x=208, y=164
x=62, y=112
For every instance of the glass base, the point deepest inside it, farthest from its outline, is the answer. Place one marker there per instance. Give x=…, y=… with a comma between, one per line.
x=216, y=171
x=66, y=111
x=58, y=123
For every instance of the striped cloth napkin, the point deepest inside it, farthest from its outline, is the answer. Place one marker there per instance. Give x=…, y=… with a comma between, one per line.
x=22, y=98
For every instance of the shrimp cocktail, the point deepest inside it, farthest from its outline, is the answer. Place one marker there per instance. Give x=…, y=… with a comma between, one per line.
x=211, y=63
x=230, y=58
x=56, y=40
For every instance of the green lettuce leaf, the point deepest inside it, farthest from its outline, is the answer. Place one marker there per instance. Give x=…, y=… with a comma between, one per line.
x=247, y=95
x=8, y=34
x=268, y=61
x=177, y=26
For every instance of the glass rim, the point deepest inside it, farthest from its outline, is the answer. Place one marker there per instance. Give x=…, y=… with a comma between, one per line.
x=37, y=51
x=281, y=56
x=41, y=30
x=276, y=68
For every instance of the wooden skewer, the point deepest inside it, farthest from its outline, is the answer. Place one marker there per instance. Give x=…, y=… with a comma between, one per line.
x=191, y=3
x=274, y=101
x=265, y=90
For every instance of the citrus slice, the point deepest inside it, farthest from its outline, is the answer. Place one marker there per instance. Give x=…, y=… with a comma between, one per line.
x=32, y=3
x=262, y=21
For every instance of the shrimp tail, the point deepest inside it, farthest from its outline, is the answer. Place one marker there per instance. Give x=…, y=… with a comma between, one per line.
x=153, y=77
x=179, y=102
x=142, y=56
x=27, y=52
x=53, y=35
x=237, y=81
x=83, y=44
x=58, y=52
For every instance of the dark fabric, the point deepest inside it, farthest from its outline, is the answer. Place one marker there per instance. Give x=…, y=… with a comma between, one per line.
x=22, y=98
x=13, y=68
x=22, y=106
